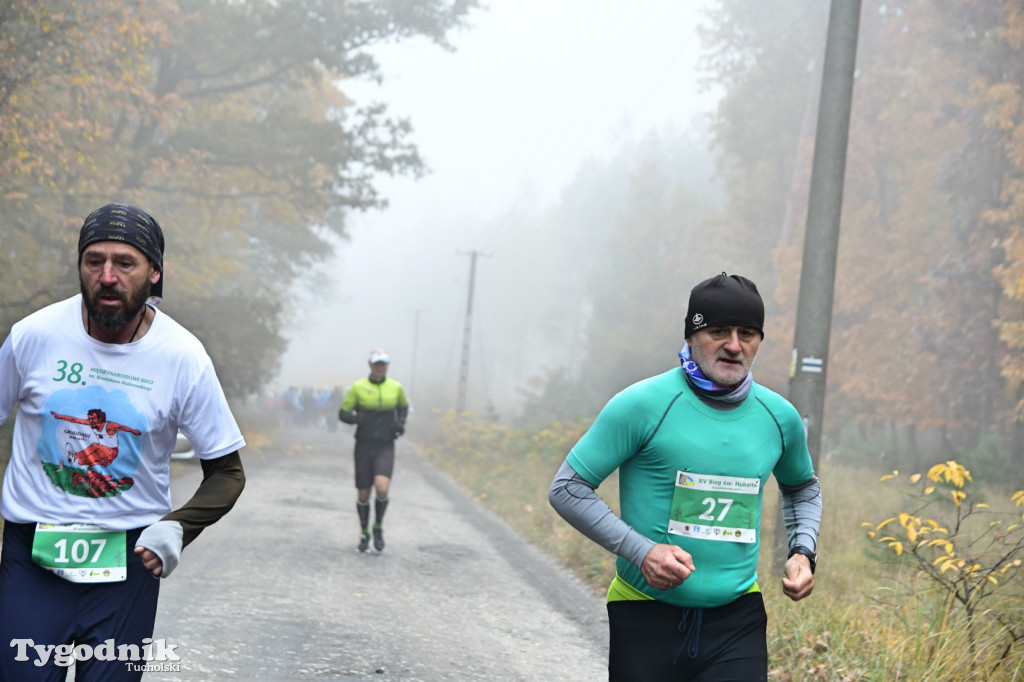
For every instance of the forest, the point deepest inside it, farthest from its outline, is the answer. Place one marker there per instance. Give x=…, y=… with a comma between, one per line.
x=223, y=120
x=230, y=121
x=929, y=276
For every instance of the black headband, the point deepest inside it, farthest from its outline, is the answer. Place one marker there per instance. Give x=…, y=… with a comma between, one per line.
x=131, y=225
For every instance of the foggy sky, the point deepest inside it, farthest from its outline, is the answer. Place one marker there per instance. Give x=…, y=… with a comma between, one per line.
x=533, y=90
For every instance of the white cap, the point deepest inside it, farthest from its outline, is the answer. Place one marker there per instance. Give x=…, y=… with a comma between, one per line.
x=378, y=355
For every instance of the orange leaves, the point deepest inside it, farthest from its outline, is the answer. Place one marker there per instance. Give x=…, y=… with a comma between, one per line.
x=49, y=95
x=1002, y=105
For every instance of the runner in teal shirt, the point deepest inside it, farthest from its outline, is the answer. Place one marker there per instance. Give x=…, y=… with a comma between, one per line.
x=693, y=476
x=694, y=448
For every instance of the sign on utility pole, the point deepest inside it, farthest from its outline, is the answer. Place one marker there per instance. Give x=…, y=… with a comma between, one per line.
x=817, y=275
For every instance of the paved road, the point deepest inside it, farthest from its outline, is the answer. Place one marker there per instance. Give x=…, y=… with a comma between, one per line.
x=277, y=590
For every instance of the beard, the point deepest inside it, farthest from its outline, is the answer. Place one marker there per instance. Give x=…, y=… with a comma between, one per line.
x=113, y=319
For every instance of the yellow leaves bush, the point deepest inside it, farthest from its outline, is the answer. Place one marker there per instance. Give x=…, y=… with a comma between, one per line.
x=919, y=531
x=950, y=472
x=959, y=547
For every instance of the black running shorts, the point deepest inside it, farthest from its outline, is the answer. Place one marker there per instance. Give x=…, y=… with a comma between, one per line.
x=652, y=640
x=373, y=458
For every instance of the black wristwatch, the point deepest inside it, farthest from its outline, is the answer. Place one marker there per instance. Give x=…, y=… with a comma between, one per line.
x=811, y=556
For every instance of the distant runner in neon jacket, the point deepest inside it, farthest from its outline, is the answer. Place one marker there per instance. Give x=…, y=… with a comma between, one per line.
x=378, y=407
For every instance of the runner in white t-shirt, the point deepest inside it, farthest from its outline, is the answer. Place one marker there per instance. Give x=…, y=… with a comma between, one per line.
x=103, y=382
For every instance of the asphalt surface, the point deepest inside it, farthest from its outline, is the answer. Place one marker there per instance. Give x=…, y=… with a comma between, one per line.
x=277, y=590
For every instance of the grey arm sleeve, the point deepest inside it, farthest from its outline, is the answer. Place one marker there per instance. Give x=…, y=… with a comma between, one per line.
x=163, y=538
x=577, y=502
x=801, y=510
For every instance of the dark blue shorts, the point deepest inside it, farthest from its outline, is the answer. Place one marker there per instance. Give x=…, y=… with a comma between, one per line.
x=38, y=605
x=652, y=640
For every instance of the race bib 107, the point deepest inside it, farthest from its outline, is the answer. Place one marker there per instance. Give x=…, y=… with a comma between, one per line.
x=81, y=552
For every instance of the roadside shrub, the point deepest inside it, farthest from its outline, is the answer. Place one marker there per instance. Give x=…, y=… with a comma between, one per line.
x=957, y=570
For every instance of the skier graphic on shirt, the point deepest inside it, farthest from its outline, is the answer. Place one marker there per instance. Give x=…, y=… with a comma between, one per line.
x=101, y=448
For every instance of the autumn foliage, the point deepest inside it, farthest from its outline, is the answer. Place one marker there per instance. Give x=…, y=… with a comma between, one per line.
x=928, y=320
x=226, y=120
x=962, y=549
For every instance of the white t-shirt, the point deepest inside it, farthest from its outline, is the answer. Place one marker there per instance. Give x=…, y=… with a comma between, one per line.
x=97, y=422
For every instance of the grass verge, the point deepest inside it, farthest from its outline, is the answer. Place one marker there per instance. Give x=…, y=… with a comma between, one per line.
x=871, y=617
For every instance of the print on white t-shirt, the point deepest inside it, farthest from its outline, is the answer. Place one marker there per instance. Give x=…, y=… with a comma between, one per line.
x=89, y=445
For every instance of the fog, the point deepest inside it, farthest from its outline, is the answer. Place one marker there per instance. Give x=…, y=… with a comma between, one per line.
x=533, y=95
x=570, y=148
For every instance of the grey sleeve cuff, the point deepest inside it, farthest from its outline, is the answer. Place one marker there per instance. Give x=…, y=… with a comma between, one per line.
x=801, y=510
x=579, y=504
x=163, y=538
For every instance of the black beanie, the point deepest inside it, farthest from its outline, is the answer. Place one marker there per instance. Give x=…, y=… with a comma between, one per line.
x=131, y=225
x=725, y=301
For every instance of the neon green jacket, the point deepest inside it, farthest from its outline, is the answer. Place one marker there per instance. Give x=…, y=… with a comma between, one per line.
x=378, y=410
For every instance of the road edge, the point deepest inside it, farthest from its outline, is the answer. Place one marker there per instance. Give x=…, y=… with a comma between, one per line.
x=561, y=589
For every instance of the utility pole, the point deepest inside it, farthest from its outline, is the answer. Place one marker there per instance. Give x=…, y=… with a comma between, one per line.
x=460, y=403
x=415, y=346
x=809, y=366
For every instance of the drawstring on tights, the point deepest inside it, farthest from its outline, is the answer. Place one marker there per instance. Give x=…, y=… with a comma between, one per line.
x=689, y=625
